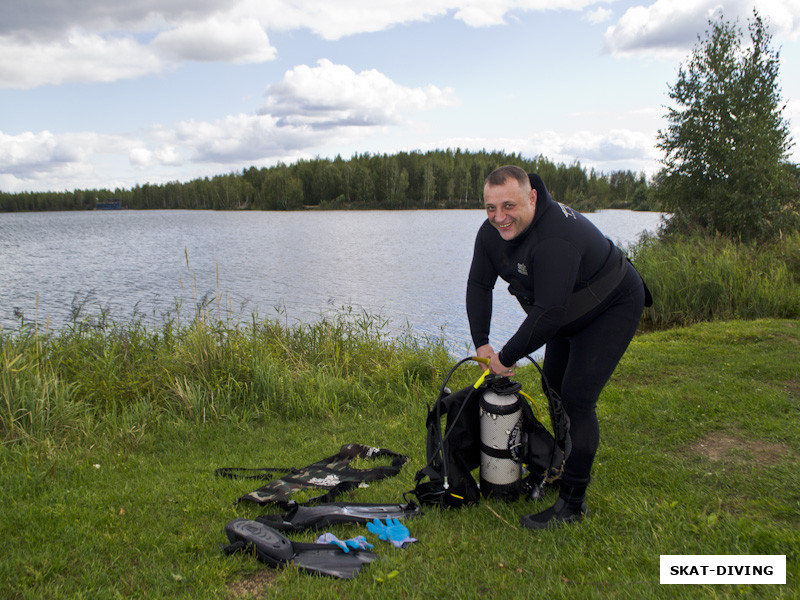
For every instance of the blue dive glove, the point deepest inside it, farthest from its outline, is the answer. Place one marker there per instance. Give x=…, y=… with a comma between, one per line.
x=393, y=531
x=357, y=543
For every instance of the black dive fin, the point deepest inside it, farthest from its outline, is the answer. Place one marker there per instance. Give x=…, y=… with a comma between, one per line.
x=331, y=560
x=299, y=518
x=274, y=549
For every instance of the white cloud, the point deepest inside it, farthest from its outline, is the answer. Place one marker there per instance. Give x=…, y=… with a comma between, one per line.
x=90, y=57
x=614, y=150
x=236, y=41
x=143, y=157
x=331, y=20
x=234, y=139
x=331, y=95
x=34, y=152
x=482, y=14
x=309, y=107
x=612, y=146
x=78, y=57
x=334, y=20
x=604, y=151
x=669, y=28
x=45, y=43
x=107, y=41
x=599, y=15
x=61, y=160
x=666, y=28
x=48, y=18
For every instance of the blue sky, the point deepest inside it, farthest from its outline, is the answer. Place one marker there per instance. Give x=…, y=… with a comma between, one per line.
x=118, y=93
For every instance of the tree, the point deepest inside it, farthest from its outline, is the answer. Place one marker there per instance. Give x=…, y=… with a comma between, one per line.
x=435, y=179
x=726, y=167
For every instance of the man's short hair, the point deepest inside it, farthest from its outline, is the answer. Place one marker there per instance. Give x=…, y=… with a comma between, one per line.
x=501, y=174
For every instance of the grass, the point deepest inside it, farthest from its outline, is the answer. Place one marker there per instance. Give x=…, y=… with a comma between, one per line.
x=111, y=439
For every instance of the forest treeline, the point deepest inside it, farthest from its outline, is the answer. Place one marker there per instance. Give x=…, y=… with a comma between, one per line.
x=434, y=179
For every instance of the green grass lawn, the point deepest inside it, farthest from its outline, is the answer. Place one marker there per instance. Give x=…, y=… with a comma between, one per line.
x=700, y=454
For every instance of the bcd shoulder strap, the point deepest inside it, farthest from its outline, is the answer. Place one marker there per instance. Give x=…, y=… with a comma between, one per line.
x=332, y=475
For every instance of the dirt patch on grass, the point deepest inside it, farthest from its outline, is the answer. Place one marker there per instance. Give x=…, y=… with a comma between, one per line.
x=253, y=585
x=729, y=447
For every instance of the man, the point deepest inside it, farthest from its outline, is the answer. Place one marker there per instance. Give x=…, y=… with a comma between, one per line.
x=582, y=297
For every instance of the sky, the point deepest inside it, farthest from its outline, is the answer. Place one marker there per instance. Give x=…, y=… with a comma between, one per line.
x=117, y=93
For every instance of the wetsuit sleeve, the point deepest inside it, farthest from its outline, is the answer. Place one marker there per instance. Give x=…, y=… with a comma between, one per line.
x=482, y=277
x=555, y=266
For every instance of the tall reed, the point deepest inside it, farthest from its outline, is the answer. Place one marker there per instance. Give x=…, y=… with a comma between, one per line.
x=127, y=375
x=35, y=402
x=700, y=278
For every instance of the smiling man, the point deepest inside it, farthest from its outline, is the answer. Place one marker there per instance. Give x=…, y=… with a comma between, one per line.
x=510, y=206
x=582, y=297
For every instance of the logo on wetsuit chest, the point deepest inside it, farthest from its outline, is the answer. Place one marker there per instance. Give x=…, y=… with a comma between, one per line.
x=522, y=269
x=568, y=212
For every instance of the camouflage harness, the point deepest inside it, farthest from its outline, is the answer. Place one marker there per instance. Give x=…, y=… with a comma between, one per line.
x=333, y=475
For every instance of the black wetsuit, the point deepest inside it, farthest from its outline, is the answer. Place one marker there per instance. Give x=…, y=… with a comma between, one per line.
x=583, y=299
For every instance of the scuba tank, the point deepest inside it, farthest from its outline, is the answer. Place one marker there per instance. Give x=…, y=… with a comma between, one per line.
x=490, y=426
x=500, y=417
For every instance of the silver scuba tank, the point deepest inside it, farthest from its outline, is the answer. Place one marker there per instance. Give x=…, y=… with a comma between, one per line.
x=500, y=425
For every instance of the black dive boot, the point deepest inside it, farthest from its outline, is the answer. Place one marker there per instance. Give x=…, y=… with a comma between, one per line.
x=569, y=508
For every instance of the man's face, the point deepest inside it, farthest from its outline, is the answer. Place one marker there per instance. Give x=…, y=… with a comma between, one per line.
x=510, y=208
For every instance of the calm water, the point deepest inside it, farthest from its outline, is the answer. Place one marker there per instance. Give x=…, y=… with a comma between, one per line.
x=407, y=266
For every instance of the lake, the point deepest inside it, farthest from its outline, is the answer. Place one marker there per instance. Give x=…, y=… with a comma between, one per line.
x=409, y=267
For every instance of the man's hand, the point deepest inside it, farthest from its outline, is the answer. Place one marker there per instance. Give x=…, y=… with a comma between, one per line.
x=485, y=351
x=498, y=368
x=495, y=366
